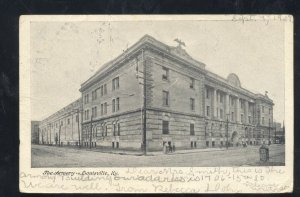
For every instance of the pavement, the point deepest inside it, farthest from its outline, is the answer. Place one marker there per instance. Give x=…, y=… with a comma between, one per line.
x=52, y=156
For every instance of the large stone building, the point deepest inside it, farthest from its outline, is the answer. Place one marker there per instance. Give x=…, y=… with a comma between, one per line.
x=185, y=104
x=63, y=127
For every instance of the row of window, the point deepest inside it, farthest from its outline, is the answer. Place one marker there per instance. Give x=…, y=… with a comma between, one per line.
x=165, y=128
x=52, y=125
x=166, y=102
x=116, y=131
x=115, y=108
x=165, y=76
x=263, y=110
x=103, y=90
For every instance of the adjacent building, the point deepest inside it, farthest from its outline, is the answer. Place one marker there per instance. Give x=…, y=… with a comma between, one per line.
x=154, y=94
x=63, y=127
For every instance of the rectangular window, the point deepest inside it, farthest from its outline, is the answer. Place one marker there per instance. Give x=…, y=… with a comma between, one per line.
x=117, y=104
x=87, y=98
x=88, y=114
x=115, y=83
x=269, y=110
x=192, y=131
x=94, y=112
x=249, y=119
x=242, y=117
x=263, y=109
x=207, y=93
x=165, y=75
x=113, y=105
x=165, y=127
x=221, y=98
x=263, y=120
x=119, y=129
x=221, y=114
x=101, y=89
x=192, y=104
x=105, y=108
x=104, y=89
x=232, y=101
x=68, y=121
x=114, y=129
x=232, y=116
x=101, y=109
x=165, y=98
x=207, y=111
x=192, y=83
x=77, y=119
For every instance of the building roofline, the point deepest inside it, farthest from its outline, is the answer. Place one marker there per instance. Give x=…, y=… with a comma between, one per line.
x=146, y=39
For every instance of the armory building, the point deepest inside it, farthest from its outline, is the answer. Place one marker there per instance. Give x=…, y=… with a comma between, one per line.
x=154, y=94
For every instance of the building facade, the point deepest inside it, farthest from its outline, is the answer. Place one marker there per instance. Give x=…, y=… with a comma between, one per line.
x=154, y=94
x=63, y=127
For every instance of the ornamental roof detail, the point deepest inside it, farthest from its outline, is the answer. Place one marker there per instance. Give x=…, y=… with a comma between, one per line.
x=234, y=80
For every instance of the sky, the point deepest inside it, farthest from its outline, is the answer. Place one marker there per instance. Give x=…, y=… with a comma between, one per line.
x=65, y=54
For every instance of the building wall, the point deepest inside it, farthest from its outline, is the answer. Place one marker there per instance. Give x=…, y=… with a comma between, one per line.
x=63, y=127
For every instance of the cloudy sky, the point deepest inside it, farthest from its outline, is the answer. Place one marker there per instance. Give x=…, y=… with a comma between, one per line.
x=65, y=54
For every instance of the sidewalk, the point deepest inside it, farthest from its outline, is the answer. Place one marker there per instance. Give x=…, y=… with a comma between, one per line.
x=155, y=153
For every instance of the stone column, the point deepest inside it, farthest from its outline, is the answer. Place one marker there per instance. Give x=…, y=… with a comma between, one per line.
x=227, y=105
x=246, y=111
x=238, y=114
x=215, y=103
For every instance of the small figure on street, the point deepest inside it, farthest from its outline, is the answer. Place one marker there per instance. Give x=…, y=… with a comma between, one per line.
x=173, y=147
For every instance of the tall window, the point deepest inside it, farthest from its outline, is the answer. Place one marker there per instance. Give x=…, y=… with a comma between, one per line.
x=242, y=117
x=104, y=89
x=192, y=83
x=87, y=114
x=115, y=83
x=86, y=98
x=192, y=131
x=101, y=89
x=94, y=94
x=101, y=109
x=249, y=119
x=269, y=110
x=117, y=104
x=165, y=127
x=165, y=98
x=221, y=114
x=263, y=120
x=221, y=98
x=113, y=105
x=263, y=109
x=207, y=93
x=232, y=116
x=192, y=104
x=165, y=75
x=94, y=111
x=68, y=120
x=207, y=111
x=105, y=108
x=77, y=119
x=232, y=101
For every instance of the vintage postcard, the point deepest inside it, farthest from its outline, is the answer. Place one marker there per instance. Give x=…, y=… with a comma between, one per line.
x=156, y=104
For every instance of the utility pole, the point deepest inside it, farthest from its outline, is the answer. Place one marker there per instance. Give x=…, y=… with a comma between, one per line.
x=144, y=109
x=269, y=132
x=227, y=132
x=78, y=128
x=59, y=134
x=91, y=131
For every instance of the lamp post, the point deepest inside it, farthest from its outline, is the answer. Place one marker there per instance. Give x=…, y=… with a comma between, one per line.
x=269, y=133
x=227, y=123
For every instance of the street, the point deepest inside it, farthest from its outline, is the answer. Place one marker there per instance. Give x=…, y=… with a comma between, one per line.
x=52, y=156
